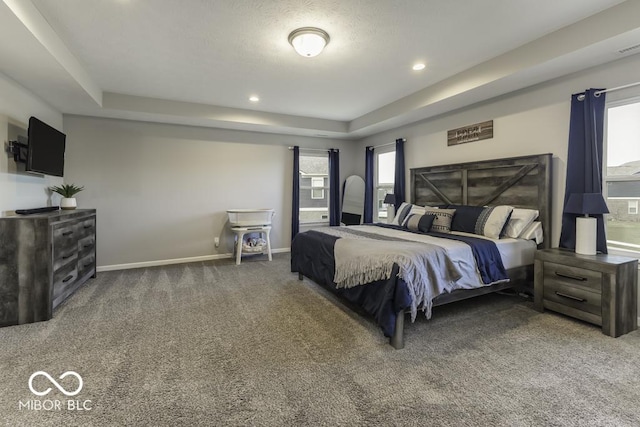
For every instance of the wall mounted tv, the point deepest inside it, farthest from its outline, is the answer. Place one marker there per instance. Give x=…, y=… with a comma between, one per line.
x=45, y=153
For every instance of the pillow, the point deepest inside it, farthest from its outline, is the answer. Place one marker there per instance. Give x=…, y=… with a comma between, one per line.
x=519, y=221
x=401, y=214
x=442, y=221
x=533, y=232
x=405, y=210
x=484, y=221
x=415, y=222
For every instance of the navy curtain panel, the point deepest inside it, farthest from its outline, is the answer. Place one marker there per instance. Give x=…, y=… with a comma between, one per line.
x=334, y=187
x=584, y=161
x=398, y=183
x=368, y=186
x=295, y=196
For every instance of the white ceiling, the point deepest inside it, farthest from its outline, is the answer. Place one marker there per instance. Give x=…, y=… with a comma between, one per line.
x=198, y=61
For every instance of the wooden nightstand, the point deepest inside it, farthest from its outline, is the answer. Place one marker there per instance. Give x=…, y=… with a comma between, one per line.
x=600, y=289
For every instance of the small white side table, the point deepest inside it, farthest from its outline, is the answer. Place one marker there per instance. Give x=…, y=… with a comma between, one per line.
x=241, y=231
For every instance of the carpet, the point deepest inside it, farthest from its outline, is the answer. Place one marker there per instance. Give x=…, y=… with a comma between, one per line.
x=212, y=343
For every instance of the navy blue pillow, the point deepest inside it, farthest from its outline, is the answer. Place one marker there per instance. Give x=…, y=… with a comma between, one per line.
x=465, y=218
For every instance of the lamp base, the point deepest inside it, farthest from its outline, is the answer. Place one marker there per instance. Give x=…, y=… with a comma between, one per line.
x=391, y=213
x=586, y=231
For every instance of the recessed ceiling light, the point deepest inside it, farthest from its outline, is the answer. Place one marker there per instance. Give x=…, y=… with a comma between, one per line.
x=418, y=67
x=254, y=98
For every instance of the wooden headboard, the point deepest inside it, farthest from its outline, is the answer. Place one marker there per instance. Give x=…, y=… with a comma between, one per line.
x=523, y=182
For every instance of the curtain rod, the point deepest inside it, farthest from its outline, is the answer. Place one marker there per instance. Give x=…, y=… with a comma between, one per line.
x=315, y=149
x=386, y=145
x=613, y=89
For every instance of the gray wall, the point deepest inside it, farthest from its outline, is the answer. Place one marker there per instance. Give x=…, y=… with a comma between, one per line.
x=162, y=191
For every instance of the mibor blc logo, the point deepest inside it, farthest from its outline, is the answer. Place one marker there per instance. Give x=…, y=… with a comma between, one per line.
x=55, y=404
x=55, y=383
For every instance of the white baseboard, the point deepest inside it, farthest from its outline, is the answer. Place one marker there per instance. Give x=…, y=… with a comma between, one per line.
x=174, y=261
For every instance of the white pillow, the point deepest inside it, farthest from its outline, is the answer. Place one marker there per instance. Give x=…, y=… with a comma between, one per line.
x=520, y=219
x=492, y=221
x=533, y=232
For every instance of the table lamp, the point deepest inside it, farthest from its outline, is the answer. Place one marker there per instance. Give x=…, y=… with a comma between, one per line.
x=586, y=226
x=390, y=201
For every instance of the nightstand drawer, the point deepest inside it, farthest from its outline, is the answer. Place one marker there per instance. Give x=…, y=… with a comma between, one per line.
x=557, y=274
x=572, y=296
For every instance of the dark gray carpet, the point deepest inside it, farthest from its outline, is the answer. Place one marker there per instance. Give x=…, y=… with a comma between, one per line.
x=218, y=344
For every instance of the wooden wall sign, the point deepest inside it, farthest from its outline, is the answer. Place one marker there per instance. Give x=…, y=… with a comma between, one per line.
x=471, y=133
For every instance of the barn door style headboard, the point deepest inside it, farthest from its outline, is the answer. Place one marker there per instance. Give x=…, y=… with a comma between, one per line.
x=522, y=182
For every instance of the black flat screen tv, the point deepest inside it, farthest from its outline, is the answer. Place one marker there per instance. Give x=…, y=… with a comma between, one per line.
x=45, y=154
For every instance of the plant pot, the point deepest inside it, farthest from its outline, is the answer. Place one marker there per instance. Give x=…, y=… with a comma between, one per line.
x=68, y=203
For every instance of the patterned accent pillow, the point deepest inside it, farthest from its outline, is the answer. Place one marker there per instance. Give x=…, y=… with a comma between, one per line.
x=480, y=220
x=442, y=222
x=415, y=222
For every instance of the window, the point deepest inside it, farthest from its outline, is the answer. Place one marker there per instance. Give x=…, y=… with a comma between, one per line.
x=622, y=176
x=317, y=187
x=385, y=176
x=314, y=180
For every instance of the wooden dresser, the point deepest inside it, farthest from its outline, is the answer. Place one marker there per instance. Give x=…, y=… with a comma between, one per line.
x=600, y=289
x=44, y=258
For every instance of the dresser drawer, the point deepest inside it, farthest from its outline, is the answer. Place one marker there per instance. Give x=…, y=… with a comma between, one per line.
x=558, y=274
x=86, y=245
x=87, y=227
x=86, y=264
x=64, y=235
x=63, y=279
x=64, y=255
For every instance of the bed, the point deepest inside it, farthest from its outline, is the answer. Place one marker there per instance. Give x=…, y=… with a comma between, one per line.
x=400, y=255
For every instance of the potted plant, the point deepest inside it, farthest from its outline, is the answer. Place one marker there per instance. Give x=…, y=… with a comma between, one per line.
x=67, y=191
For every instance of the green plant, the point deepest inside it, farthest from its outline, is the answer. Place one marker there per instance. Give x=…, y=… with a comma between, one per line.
x=67, y=190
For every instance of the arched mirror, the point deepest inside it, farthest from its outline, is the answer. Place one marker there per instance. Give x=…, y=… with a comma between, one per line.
x=353, y=201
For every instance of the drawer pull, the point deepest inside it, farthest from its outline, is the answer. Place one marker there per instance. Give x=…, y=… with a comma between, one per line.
x=88, y=246
x=560, y=294
x=66, y=279
x=68, y=255
x=88, y=226
x=67, y=233
x=570, y=276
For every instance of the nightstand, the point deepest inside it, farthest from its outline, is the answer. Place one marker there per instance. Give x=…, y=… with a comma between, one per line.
x=600, y=289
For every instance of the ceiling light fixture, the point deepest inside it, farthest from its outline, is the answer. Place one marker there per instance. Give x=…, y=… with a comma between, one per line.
x=418, y=67
x=309, y=41
x=254, y=98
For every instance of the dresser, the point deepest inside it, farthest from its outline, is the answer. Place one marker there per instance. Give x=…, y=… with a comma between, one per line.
x=44, y=258
x=600, y=289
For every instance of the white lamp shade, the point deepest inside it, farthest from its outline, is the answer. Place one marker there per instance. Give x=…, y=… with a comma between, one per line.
x=308, y=42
